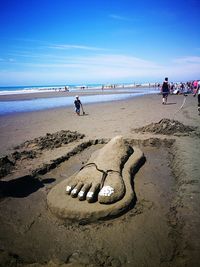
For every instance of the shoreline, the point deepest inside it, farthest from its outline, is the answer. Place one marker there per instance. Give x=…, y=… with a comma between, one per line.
x=52, y=94
x=26, y=103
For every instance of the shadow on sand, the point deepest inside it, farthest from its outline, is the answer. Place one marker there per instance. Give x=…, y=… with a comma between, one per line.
x=22, y=187
x=172, y=103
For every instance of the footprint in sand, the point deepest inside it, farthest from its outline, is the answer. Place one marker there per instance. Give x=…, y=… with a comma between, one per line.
x=101, y=179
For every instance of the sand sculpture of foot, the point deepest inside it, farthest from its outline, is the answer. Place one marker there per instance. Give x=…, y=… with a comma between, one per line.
x=101, y=179
x=103, y=185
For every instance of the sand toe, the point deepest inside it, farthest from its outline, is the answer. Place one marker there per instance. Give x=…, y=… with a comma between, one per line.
x=83, y=192
x=113, y=189
x=93, y=193
x=76, y=189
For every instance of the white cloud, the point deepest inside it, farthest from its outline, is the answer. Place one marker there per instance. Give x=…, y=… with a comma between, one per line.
x=101, y=68
x=7, y=60
x=122, y=61
x=187, y=60
x=96, y=68
x=118, y=17
x=68, y=46
x=98, y=61
x=183, y=69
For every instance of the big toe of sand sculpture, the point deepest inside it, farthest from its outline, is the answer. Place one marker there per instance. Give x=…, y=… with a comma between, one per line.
x=102, y=187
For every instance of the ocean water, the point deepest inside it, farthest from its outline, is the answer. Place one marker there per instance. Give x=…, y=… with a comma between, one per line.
x=17, y=106
x=42, y=88
x=48, y=88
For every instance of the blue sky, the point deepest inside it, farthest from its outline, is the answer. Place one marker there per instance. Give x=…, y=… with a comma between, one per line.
x=98, y=41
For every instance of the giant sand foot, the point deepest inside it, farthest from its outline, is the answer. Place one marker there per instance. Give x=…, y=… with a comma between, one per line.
x=101, y=178
x=106, y=179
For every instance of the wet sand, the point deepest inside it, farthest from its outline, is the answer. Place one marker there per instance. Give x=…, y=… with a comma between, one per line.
x=50, y=94
x=160, y=228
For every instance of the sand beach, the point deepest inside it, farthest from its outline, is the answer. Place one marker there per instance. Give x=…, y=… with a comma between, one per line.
x=40, y=149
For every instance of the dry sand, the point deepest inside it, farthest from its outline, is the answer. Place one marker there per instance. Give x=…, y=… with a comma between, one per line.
x=161, y=228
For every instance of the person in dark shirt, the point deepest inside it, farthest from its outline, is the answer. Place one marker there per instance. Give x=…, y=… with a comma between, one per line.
x=78, y=105
x=165, y=91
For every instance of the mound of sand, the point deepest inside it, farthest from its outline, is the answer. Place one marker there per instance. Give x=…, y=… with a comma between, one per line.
x=167, y=127
x=7, y=163
x=51, y=141
x=33, y=148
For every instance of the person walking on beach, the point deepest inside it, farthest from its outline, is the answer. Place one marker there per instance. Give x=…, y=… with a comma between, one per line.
x=78, y=105
x=165, y=91
x=198, y=93
x=66, y=89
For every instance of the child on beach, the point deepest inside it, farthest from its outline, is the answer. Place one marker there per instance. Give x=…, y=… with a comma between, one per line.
x=165, y=91
x=77, y=104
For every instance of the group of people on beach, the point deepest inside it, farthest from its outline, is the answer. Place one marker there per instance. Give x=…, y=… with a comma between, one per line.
x=165, y=90
x=166, y=87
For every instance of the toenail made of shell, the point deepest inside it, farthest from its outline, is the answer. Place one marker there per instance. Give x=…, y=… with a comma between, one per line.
x=68, y=188
x=81, y=193
x=90, y=194
x=106, y=191
x=74, y=191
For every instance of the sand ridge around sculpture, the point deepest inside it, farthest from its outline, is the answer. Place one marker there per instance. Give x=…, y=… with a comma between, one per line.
x=29, y=152
x=67, y=206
